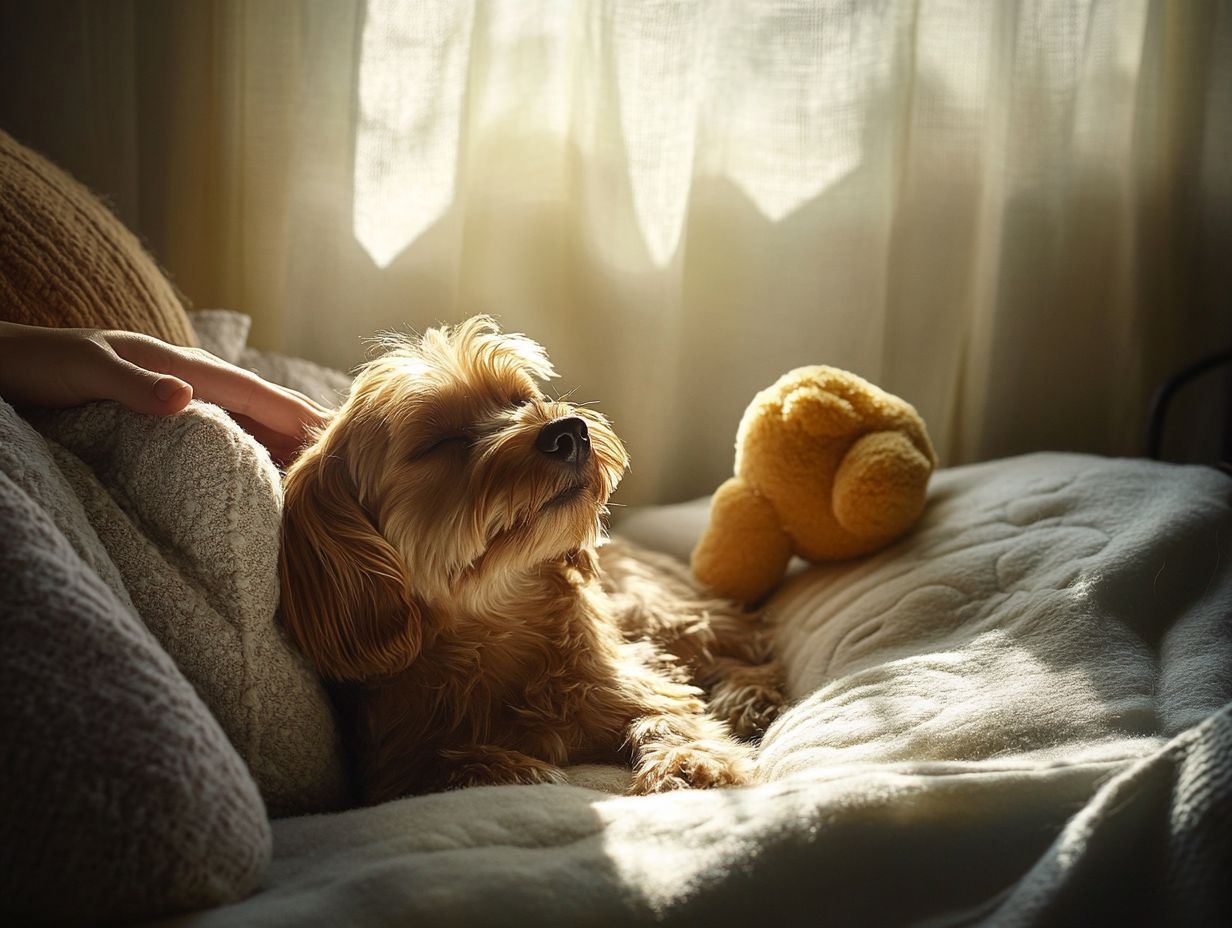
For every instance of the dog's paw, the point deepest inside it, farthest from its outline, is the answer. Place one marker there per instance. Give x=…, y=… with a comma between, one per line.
x=499, y=767
x=693, y=765
x=749, y=698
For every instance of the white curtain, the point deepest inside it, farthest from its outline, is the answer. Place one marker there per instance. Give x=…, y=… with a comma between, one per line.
x=1015, y=215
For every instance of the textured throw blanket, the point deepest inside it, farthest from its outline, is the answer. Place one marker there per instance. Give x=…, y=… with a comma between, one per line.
x=1018, y=715
x=179, y=518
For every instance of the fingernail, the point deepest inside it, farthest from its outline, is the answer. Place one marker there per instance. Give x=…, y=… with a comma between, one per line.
x=167, y=388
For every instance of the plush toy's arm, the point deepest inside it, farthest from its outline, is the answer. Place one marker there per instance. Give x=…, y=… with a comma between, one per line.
x=744, y=551
x=880, y=486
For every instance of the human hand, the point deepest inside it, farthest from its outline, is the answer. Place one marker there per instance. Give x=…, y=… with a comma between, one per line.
x=66, y=367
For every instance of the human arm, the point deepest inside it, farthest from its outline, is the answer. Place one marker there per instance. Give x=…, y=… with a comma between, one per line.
x=65, y=367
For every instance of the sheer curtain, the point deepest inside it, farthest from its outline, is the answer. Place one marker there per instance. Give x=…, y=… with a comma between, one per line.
x=1015, y=215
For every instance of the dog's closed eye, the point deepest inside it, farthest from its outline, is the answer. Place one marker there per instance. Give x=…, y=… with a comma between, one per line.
x=454, y=441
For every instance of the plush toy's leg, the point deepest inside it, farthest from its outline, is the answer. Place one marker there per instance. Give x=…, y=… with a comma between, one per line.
x=744, y=551
x=880, y=486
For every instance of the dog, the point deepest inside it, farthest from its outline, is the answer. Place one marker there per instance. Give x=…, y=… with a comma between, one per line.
x=441, y=558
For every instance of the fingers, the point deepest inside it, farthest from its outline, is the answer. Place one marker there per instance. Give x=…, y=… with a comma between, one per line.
x=54, y=368
x=246, y=394
x=277, y=410
x=142, y=390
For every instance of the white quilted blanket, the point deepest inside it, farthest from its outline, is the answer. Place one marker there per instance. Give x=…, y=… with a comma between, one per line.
x=1015, y=715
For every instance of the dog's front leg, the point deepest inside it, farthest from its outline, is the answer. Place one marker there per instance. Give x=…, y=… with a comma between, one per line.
x=676, y=744
x=682, y=750
x=728, y=656
x=726, y=649
x=727, y=653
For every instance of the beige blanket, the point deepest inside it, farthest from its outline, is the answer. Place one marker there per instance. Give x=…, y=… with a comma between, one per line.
x=1013, y=716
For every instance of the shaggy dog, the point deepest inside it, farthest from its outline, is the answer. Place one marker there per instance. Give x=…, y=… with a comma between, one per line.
x=440, y=555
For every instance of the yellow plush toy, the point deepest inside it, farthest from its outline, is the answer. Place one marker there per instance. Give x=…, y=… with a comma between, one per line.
x=828, y=467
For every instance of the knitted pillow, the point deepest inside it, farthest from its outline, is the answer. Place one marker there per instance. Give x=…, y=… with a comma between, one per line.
x=65, y=260
x=122, y=797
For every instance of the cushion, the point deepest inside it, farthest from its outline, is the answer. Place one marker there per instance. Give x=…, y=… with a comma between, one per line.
x=122, y=796
x=179, y=517
x=65, y=260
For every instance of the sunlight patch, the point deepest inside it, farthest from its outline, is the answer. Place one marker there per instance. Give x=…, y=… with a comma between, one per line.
x=412, y=81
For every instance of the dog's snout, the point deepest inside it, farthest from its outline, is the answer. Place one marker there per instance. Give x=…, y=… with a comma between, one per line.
x=566, y=440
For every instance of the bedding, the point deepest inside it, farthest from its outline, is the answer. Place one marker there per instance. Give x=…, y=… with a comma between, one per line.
x=179, y=517
x=122, y=794
x=1018, y=714
x=186, y=508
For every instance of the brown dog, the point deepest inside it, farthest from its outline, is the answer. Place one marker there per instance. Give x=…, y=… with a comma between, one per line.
x=439, y=553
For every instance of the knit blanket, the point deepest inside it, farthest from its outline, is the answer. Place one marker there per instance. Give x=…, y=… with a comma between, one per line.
x=179, y=517
x=1018, y=715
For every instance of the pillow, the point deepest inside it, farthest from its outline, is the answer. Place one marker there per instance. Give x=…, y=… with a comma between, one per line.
x=221, y=332
x=122, y=797
x=66, y=261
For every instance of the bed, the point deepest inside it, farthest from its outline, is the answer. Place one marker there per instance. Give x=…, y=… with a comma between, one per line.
x=1018, y=714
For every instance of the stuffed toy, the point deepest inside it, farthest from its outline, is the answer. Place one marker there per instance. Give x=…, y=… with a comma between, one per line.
x=828, y=467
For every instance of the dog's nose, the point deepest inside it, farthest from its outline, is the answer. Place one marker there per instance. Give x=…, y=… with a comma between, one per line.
x=566, y=440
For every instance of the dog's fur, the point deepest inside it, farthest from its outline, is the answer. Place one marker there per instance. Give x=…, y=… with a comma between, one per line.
x=439, y=554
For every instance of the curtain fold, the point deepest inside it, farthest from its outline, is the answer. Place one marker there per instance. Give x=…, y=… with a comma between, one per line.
x=1015, y=215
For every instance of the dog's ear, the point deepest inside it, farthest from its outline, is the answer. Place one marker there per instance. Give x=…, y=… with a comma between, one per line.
x=346, y=599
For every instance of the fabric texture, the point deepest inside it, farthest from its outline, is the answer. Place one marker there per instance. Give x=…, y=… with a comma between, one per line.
x=180, y=517
x=66, y=261
x=187, y=507
x=1016, y=714
x=1014, y=214
x=1158, y=832
x=122, y=797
